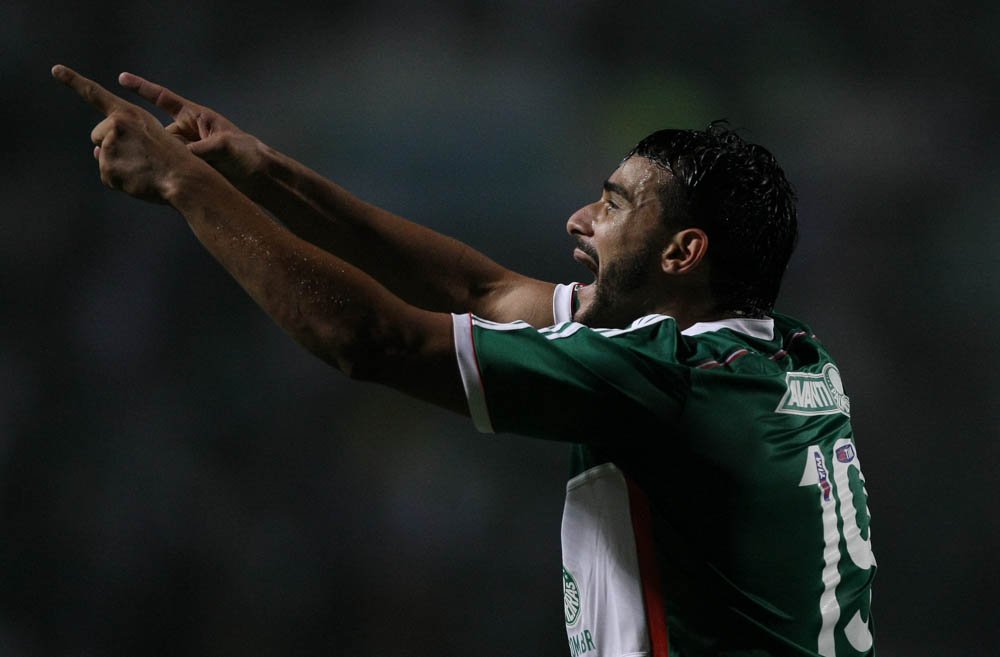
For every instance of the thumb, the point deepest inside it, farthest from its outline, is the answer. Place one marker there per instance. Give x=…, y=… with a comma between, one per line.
x=178, y=132
x=208, y=149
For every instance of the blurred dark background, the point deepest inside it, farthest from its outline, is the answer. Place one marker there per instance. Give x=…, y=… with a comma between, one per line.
x=177, y=477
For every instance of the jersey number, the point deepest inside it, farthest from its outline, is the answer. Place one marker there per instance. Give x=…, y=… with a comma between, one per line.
x=836, y=498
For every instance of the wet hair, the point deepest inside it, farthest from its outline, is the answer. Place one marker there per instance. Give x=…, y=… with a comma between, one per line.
x=736, y=192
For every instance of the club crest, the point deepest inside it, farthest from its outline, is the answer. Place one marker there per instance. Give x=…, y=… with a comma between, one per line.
x=571, y=598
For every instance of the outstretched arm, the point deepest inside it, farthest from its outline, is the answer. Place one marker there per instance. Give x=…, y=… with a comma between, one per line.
x=423, y=267
x=333, y=309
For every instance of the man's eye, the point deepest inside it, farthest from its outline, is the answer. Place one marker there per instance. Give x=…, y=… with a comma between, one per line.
x=611, y=205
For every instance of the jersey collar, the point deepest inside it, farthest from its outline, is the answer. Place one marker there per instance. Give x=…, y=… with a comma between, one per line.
x=755, y=328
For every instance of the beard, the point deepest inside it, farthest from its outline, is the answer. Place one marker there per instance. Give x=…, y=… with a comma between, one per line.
x=618, y=298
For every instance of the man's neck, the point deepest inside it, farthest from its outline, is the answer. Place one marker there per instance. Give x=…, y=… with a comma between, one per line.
x=686, y=310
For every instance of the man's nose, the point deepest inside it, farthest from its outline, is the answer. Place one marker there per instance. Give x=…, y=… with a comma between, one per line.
x=581, y=222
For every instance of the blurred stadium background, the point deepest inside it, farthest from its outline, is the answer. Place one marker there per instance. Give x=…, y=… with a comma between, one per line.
x=177, y=477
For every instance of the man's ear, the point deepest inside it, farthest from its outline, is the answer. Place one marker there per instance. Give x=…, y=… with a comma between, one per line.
x=685, y=251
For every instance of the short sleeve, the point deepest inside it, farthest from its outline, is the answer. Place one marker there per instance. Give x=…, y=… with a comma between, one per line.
x=570, y=382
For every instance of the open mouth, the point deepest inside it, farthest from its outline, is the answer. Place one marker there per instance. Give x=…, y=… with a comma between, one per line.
x=586, y=260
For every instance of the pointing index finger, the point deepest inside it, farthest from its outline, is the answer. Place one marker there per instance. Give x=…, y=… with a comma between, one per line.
x=157, y=94
x=105, y=101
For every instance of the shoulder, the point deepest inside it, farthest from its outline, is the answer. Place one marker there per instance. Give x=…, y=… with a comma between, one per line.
x=772, y=346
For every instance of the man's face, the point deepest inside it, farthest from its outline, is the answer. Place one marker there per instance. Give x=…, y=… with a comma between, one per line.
x=620, y=238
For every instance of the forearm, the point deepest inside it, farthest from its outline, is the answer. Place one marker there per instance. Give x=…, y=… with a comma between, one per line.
x=426, y=269
x=423, y=267
x=333, y=309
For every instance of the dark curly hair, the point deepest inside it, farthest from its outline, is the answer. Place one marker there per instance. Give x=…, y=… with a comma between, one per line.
x=736, y=192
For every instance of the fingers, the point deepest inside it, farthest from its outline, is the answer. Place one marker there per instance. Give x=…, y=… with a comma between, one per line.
x=105, y=129
x=105, y=101
x=177, y=131
x=203, y=148
x=157, y=94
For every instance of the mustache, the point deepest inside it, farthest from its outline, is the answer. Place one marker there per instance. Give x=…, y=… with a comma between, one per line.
x=587, y=248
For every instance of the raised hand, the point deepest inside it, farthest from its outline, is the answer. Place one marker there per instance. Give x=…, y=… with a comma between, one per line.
x=207, y=134
x=134, y=152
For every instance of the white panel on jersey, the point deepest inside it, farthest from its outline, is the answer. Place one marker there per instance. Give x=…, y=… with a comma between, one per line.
x=599, y=555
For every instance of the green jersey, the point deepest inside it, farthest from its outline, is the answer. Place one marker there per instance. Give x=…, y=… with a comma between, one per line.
x=717, y=504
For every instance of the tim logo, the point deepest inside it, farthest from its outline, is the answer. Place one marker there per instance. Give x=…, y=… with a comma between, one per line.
x=814, y=394
x=824, y=480
x=845, y=454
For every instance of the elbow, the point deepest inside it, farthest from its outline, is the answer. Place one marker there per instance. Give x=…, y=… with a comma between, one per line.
x=359, y=360
x=366, y=352
x=366, y=341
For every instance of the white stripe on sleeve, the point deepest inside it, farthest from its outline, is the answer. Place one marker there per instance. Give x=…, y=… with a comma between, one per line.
x=468, y=367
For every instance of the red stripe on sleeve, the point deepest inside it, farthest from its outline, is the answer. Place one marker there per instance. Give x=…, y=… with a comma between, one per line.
x=649, y=570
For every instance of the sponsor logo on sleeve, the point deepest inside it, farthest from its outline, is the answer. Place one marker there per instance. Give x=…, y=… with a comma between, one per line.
x=814, y=394
x=822, y=476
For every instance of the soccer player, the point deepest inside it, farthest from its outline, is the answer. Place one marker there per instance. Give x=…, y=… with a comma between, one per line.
x=718, y=505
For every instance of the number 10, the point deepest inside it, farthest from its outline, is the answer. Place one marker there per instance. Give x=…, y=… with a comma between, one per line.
x=833, y=492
